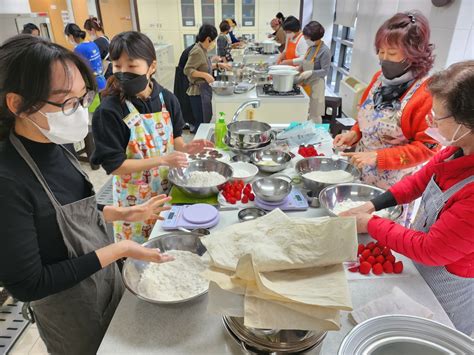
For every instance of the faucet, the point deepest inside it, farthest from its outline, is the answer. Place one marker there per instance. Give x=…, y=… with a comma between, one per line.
x=254, y=103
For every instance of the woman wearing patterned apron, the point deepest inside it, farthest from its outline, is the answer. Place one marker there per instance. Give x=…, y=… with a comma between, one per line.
x=296, y=46
x=441, y=239
x=56, y=255
x=389, y=133
x=137, y=129
x=314, y=69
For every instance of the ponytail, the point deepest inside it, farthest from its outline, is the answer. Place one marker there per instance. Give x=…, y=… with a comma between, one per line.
x=75, y=31
x=93, y=23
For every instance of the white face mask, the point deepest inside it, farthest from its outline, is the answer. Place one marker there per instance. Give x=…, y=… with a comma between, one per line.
x=433, y=132
x=66, y=129
x=290, y=36
x=309, y=42
x=93, y=37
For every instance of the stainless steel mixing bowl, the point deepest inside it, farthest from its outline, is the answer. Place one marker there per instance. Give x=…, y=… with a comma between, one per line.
x=272, y=190
x=180, y=176
x=330, y=196
x=323, y=164
x=249, y=134
x=271, y=160
x=224, y=88
x=133, y=269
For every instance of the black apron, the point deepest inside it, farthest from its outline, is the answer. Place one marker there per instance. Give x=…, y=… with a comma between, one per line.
x=75, y=320
x=206, y=97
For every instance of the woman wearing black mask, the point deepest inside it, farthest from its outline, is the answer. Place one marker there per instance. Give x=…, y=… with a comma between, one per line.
x=136, y=128
x=390, y=133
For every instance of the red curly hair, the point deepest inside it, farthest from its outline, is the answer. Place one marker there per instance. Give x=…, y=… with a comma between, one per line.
x=409, y=31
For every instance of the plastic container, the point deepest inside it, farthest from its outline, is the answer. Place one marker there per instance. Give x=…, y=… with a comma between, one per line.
x=220, y=131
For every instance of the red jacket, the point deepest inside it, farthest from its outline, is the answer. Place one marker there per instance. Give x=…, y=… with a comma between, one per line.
x=413, y=124
x=450, y=240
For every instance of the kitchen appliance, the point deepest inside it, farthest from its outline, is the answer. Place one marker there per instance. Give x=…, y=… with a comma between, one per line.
x=273, y=341
x=268, y=90
x=283, y=80
x=269, y=47
x=132, y=269
x=295, y=201
x=403, y=334
x=195, y=216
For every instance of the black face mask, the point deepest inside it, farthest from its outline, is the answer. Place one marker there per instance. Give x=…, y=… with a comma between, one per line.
x=393, y=70
x=132, y=83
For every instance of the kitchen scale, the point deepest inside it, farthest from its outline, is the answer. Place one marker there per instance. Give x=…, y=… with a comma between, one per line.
x=295, y=201
x=199, y=215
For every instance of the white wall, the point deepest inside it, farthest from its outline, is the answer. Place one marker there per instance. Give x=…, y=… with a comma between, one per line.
x=323, y=12
x=15, y=7
x=451, y=32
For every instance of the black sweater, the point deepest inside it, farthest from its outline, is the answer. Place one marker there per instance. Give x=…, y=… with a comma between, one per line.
x=34, y=261
x=111, y=134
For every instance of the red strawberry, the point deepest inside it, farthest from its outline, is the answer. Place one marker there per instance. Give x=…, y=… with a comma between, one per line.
x=361, y=259
x=245, y=199
x=398, y=267
x=380, y=245
x=390, y=258
x=386, y=251
x=376, y=251
x=387, y=267
x=364, y=268
x=365, y=254
x=360, y=249
x=371, y=260
x=377, y=269
x=354, y=269
x=370, y=246
x=380, y=259
x=251, y=197
x=232, y=200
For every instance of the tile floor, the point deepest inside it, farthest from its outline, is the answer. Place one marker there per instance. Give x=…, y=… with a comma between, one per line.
x=30, y=342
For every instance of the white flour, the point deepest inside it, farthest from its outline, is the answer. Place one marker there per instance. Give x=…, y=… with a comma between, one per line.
x=240, y=173
x=330, y=177
x=204, y=179
x=175, y=280
x=348, y=204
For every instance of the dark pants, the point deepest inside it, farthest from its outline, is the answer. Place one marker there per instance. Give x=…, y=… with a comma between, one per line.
x=196, y=107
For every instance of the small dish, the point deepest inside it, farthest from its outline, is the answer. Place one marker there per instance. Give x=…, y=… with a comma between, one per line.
x=251, y=213
x=244, y=171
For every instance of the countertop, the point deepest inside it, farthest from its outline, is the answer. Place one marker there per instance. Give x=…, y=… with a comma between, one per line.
x=252, y=95
x=139, y=327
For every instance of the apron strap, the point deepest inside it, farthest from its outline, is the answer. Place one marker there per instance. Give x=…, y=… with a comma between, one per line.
x=162, y=100
x=456, y=187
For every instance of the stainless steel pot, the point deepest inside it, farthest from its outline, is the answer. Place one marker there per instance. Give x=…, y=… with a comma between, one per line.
x=283, y=80
x=249, y=134
x=273, y=341
x=401, y=334
x=269, y=47
x=224, y=88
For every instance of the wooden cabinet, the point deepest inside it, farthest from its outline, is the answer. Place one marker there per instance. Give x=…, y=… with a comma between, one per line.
x=161, y=16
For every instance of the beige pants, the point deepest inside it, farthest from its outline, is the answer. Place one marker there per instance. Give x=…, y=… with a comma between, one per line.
x=317, y=103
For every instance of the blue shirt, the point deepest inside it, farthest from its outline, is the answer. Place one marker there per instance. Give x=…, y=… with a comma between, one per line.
x=233, y=38
x=90, y=52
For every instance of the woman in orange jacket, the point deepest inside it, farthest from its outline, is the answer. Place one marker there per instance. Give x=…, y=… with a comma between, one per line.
x=389, y=135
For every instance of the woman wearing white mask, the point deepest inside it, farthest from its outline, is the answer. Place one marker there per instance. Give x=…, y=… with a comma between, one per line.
x=390, y=133
x=199, y=69
x=315, y=68
x=96, y=33
x=296, y=46
x=56, y=253
x=441, y=239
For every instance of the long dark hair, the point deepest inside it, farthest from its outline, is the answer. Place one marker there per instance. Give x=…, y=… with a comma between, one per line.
x=75, y=31
x=93, y=23
x=26, y=69
x=137, y=46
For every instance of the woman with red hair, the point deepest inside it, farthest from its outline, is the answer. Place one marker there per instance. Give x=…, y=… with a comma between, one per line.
x=390, y=133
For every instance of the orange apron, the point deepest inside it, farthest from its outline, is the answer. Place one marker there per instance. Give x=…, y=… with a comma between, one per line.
x=307, y=87
x=291, y=48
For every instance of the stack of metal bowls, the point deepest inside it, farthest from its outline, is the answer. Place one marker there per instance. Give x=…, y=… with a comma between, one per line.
x=133, y=269
x=308, y=165
x=273, y=341
x=179, y=177
x=247, y=137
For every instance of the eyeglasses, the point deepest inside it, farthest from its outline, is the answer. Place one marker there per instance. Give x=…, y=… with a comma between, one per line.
x=431, y=118
x=70, y=105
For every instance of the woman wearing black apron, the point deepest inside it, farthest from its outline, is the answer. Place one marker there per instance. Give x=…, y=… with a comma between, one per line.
x=198, y=69
x=441, y=238
x=55, y=252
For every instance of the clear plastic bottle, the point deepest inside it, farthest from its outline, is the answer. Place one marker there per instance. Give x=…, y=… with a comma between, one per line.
x=220, y=131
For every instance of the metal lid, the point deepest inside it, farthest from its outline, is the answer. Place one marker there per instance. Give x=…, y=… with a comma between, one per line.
x=273, y=340
x=401, y=334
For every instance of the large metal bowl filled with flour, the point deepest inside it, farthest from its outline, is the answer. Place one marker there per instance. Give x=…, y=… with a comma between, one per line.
x=180, y=177
x=133, y=269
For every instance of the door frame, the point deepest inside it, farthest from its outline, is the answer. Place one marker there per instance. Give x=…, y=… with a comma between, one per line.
x=134, y=12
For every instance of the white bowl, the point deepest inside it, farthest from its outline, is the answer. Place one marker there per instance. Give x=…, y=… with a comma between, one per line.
x=244, y=171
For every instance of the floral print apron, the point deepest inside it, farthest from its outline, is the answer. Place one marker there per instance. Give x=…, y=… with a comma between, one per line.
x=382, y=129
x=151, y=135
